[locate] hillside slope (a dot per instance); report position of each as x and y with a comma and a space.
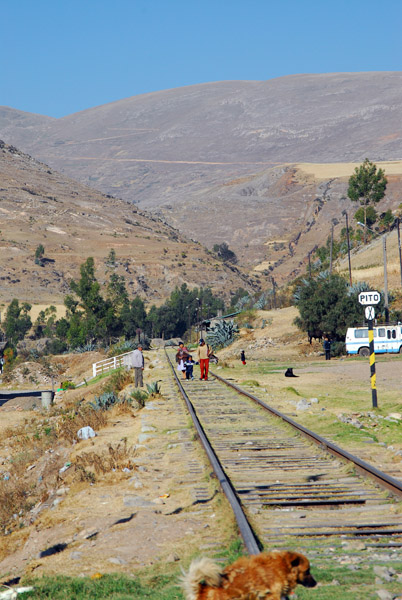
217, 160
72, 222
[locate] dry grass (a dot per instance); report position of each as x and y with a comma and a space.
36, 443
118, 380
82, 416
115, 458
329, 170
19, 487
368, 263
29, 441
13, 499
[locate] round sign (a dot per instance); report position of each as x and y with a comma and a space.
370, 313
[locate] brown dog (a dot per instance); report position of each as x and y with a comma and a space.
263, 577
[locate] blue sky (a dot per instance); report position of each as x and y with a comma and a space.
61, 56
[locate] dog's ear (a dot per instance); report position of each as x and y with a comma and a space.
295, 562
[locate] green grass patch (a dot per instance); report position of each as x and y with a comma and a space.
292, 390
339, 432
233, 552
335, 581
111, 587
148, 584
250, 382
341, 582
103, 375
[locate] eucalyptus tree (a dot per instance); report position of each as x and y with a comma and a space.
367, 185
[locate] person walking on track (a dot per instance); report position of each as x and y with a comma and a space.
137, 363
203, 353
181, 356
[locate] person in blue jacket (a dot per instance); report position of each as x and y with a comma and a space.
327, 348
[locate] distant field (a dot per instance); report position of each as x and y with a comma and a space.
368, 263
35, 310
329, 170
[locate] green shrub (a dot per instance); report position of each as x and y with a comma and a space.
56, 346
140, 396
67, 385
338, 349
118, 380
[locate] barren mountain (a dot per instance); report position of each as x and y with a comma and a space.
72, 222
218, 160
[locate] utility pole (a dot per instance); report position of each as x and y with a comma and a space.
331, 249
273, 291
348, 240
399, 246
384, 247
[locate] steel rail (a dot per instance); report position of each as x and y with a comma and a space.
250, 539
386, 481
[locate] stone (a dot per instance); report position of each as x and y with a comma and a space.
384, 595
151, 406
172, 558
136, 482
303, 404
144, 437
137, 501
115, 560
147, 428
383, 572
85, 433
76, 555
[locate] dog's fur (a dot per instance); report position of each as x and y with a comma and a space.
269, 576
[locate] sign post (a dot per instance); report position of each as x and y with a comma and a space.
367, 299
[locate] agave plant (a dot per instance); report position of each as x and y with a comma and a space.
105, 401
261, 302
86, 348
241, 303
140, 396
153, 388
222, 334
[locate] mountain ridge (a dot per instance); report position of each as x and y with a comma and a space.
177, 152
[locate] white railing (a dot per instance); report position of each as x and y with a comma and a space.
108, 364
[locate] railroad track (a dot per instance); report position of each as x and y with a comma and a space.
284, 481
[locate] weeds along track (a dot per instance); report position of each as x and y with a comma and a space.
284, 484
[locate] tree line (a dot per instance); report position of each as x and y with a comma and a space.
101, 317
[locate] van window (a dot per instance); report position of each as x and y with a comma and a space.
381, 332
393, 334
361, 333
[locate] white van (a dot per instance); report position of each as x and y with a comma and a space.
387, 338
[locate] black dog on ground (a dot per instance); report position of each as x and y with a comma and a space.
289, 373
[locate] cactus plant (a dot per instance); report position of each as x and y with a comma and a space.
222, 334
